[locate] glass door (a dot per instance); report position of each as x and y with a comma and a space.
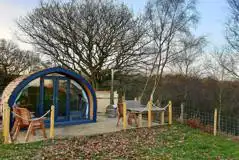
47, 95
62, 99
55, 91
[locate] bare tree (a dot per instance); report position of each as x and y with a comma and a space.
87, 36
187, 62
168, 20
14, 61
215, 66
229, 60
232, 25
230, 64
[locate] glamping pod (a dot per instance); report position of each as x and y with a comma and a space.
73, 97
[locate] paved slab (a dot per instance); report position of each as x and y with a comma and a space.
103, 125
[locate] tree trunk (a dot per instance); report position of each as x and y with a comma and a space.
220, 107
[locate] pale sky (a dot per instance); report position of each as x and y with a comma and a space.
213, 15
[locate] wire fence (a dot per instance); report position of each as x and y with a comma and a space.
228, 125
225, 125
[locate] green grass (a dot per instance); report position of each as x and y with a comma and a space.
20, 151
175, 142
184, 143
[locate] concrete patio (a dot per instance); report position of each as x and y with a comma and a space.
103, 125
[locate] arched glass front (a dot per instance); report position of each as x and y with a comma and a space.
79, 105
29, 97
69, 98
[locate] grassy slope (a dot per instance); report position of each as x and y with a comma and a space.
20, 151
186, 143
176, 142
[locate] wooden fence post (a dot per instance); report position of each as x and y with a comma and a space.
124, 115
215, 123
149, 114
140, 119
3, 120
52, 129
170, 113
6, 123
162, 118
181, 113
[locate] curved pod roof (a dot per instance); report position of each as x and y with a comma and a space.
12, 90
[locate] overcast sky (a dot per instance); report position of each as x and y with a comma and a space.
213, 15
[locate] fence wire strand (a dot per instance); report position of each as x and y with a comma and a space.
226, 125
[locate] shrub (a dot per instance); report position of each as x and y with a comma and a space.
194, 123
